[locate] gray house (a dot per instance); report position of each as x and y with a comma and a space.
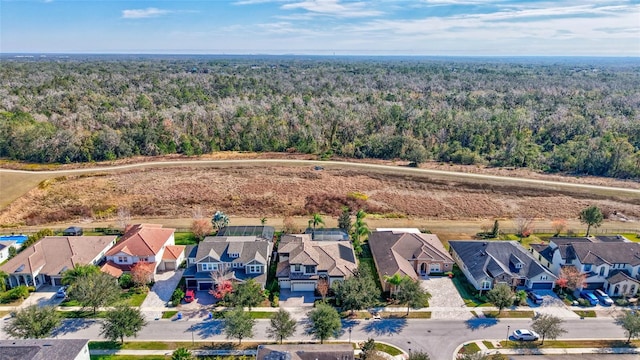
236, 258
487, 263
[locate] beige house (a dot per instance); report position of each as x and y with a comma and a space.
44, 262
148, 243
409, 253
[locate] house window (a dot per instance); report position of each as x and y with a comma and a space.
237, 265
602, 271
486, 284
543, 277
254, 269
310, 269
519, 266
208, 267
297, 268
234, 255
587, 267
122, 259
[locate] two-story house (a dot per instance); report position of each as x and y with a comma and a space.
613, 266
148, 243
236, 258
487, 263
303, 261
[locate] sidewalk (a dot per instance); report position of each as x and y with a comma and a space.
169, 352
547, 351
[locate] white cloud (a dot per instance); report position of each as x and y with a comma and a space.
333, 8
143, 13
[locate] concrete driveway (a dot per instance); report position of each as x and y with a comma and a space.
45, 296
295, 299
552, 305
160, 293
446, 298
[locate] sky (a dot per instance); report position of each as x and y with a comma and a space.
324, 27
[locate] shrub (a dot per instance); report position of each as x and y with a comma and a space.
622, 302
177, 296
275, 302
125, 281
583, 302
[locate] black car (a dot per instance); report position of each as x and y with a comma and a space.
535, 298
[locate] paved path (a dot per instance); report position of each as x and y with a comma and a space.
446, 298
160, 294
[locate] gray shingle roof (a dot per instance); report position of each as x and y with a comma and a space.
42, 349
607, 253
305, 352
337, 258
249, 248
492, 258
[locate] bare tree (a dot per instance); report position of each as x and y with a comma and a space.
558, 226
323, 288
524, 226
124, 217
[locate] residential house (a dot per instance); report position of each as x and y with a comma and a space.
144, 243
610, 263
44, 262
305, 352
303, 261
44, 349
4, 249
236, 258
487, 263
408, 252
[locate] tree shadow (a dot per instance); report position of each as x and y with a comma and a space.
206, 329
479, 323
386, 327
73, 325
348, 324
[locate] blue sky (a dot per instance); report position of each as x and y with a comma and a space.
345, 27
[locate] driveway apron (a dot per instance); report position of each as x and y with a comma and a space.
160, 293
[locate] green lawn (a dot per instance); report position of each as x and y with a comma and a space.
391, 350
169, 314
470, 348
185, 238
568, 344
132, 297
466, 290
82, 314
585, 313
505, 314
488, 344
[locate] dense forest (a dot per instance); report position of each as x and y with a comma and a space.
578, 116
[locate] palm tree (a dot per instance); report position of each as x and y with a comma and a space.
317, 220
360, 228
71, 275
592, 216
394, 281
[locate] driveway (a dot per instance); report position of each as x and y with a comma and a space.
552, 305
160, 294
294, 299
445, 299
45, 296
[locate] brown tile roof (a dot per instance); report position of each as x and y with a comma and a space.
53, 254
114, 269
142, 240
173, 252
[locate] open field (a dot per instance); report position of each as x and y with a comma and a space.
247, 190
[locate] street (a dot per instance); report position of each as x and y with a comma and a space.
439, 338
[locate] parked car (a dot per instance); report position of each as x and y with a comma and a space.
525, 335
535, 298
189, 296
603, 297
592, 299
62, 292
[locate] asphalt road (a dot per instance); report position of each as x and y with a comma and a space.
439, 338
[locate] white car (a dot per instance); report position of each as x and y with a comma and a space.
603, 297
525, 335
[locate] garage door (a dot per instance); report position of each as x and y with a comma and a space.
202, 286
285, 284
57, 281
303, 286
542, 286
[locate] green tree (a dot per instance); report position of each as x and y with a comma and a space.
324, 321
182, 354
247, 294
4, 277
79, 270
592, 216
368, 349
219, 220
548, 326
33, 322
122, 321
12, 252
281, 326
630, 322
418, 355
344, 221
316, 220
95, 290
360, 231
411, 293
238, 324
394, 281
496, 229
501, 296
357, 292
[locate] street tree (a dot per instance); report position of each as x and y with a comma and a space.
95, 290
219, 220
592, 216
501, 296
357, 292
630, 322
548, 326
71, 275
344, 221
282, 325
182, 354
33, 322
411, 293
238, 324
247, 294
368, 350
324, 322
122, 321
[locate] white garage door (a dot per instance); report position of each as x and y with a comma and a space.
303, 286
285, 284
